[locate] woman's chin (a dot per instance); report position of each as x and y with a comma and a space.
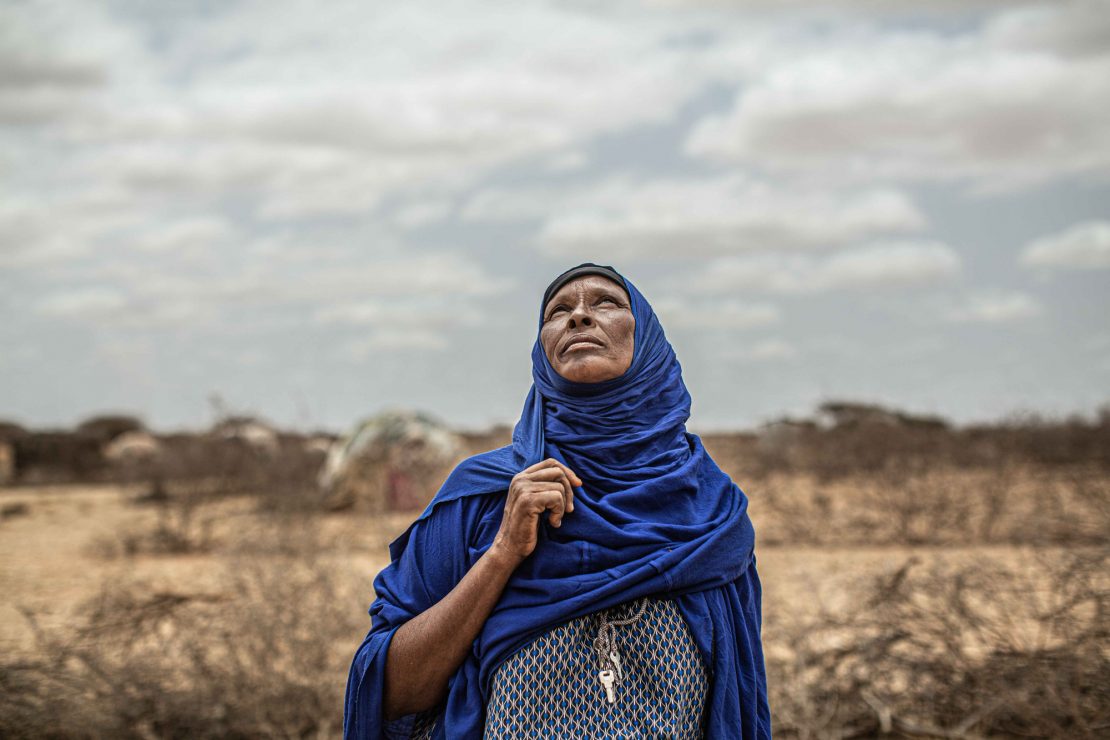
589, 370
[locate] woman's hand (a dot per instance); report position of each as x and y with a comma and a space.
428, 649
545, 486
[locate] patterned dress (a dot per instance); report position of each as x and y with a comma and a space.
552, 687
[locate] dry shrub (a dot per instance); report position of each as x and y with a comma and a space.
183, 525
264, 655
975, 650
849, 439
13, 510
1011, 504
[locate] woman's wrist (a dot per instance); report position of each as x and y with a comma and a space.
501, 558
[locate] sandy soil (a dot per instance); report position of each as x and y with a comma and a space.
56, 555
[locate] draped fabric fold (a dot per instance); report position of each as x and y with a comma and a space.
655, 517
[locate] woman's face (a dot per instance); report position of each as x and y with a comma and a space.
588, 330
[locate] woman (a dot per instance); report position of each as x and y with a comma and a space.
594, 578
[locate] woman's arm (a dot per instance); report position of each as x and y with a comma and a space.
427, 650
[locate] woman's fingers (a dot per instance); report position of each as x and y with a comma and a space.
559, 475
546, 486
552, 462
546, 499
542, 469
534, 499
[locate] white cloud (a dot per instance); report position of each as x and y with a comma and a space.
388, 340
994, 308
119, 307
879, 266
876, 104
568, 161
833, 8
48, 69
1076, 28
47, 232
421, 294
427, 312
218, 180
187, 235
727, 314
21, 220
773, 349
1097, 342
315, 114
94, 303
1083, 246
422, 212
439, 274
514, 204
692, 217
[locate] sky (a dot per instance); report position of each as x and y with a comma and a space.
316, 211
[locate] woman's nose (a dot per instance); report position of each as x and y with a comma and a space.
580, 316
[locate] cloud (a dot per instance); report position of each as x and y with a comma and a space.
421, 213
439, 274
116, 307
49, 232
514, 204
305, 128
427, 312
90, 303
192, 234
772, 349
22, 71
361, 349
426, 294
879, 266
1077, 28
994, 308
765, 350
1083, 246
727, 314
567, 161
696, 217
21, 220
54, 60
917, 105
831, 8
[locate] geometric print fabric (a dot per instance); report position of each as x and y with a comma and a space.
550, 688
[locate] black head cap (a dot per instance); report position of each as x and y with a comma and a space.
586, 268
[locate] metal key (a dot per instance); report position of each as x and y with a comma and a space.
606, 678
616, 658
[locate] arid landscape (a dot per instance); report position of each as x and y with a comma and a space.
269, 269
920, 579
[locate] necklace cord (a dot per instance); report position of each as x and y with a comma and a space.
606, 641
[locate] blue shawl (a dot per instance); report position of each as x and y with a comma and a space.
655, 517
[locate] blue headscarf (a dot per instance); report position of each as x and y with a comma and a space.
655, 516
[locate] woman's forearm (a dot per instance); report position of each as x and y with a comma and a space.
427, 650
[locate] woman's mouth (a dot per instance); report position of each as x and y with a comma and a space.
582, 342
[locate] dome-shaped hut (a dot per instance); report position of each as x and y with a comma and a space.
132, 447
394, 461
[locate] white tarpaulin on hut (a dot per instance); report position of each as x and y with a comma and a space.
394, 461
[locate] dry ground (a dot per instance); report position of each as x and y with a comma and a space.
59, 554
63, 547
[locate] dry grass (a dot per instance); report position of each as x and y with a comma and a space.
906, 600
1013, 504
258, 654
980, 649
